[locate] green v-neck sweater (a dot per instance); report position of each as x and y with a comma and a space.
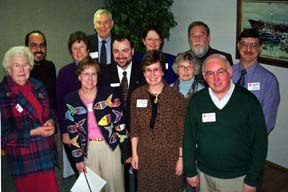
232, 145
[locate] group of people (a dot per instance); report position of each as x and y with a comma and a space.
142, 121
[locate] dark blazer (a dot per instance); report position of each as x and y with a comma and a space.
169, 75
110, 77
93, 45
210, 51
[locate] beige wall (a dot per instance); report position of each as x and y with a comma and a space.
56, 19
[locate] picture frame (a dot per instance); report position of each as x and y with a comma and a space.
269, 18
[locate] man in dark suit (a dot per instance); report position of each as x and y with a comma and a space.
100, 44
199, 40
125, 76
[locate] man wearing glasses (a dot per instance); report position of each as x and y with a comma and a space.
250, 74
43, 69
225, 139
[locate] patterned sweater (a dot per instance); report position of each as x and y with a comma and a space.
109, 117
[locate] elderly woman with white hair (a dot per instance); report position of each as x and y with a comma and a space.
186, 67
27, 125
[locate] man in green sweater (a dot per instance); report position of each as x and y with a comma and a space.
225, 138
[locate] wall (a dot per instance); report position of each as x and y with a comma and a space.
56, 19
220, 15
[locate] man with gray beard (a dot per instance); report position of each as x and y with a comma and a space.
199, 40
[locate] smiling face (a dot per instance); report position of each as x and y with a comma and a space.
199, 40
218, 76
88, 78
19, 69
154, 74
37, 45
249, 48
122, 53
152, 41
185, 70
103, 24
79, 50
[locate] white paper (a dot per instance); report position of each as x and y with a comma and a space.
96, 182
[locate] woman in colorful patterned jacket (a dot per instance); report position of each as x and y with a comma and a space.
27, 125
96, 127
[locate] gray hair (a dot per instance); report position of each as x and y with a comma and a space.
187, 56
16, 52
101, 11
218, 56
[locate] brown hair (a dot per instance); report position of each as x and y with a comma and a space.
151, 57
87, 61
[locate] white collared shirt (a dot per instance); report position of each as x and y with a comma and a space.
128, 70
220, 104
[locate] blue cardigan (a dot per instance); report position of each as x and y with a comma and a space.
109, 116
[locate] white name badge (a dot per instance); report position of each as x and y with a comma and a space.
142, 103
114, 84
254, 86
208, 117
19, 108
94, 55
166, 65
90, 107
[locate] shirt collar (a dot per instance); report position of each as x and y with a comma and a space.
128, 70
220, 104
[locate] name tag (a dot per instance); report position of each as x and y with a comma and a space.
208, 117
254, 86
94, 55
114, 84
90, 107
166, 65
142, 103
19, 108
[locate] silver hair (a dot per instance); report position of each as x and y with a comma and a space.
101, 11
213, 56
16, 52
187, 56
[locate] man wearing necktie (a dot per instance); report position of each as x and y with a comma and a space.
250, 74
100, 44
125, 76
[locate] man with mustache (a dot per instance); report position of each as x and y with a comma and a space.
125, 76
250, 74
199, 40
43, 69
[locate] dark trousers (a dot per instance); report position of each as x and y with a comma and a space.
130, 178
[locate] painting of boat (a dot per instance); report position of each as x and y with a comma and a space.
270, 19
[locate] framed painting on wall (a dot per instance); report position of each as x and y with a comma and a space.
270, 19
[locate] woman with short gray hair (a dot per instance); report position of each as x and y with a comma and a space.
186, 66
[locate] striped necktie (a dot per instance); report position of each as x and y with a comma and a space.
241, 81
124, 87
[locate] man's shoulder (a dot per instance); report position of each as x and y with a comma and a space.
213, 51
244, 96
216, 51
265, 72
48, 63
184, 52
93, 37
